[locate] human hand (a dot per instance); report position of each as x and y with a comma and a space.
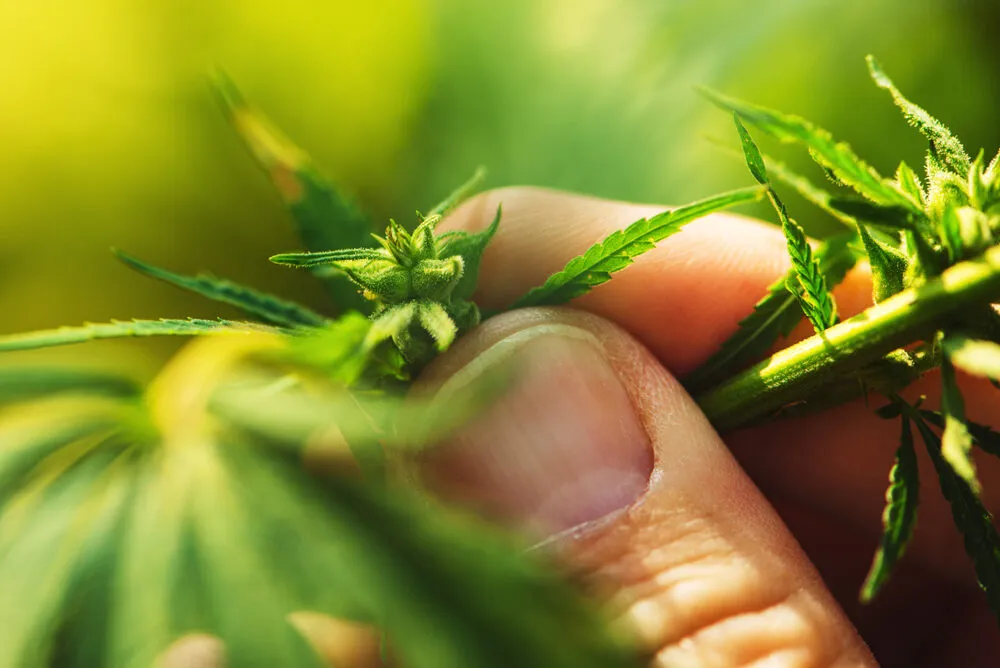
692, 541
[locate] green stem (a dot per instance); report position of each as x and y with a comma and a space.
798, 371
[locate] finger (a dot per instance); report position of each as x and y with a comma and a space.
682, 300
599, 447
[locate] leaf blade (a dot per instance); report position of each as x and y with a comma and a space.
325, 218
126, 328
900, 515
619, 249
267, 307
947, 147
837, 157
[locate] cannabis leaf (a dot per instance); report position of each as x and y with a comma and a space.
900, 515
122, 532
266, 307
972, 519
117, 329
847, 167
945, 145
956, 442
21, 384
620, 248
774, 316
808, 284
470, 247
975, 357
888, 264
326, 219
983, 436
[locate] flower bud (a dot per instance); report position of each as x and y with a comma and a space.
973, 229
435, 279
385, 280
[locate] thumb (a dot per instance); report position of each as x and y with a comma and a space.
597, 449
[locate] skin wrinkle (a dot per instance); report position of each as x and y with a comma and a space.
656, 539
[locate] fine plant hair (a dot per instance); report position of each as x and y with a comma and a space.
256, 476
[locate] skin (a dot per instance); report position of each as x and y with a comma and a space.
754, 498
741, 550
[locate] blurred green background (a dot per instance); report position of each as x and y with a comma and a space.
110, 135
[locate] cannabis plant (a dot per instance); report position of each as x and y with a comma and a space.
253, 479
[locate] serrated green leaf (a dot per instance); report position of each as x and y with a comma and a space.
325, 218
900, 515
773, 316
116, 547
972, 519
986, 438
25, 383
619, 249
809, 284
266, 307
956, 441
845, 166
755, 161
117, 329
909, 182
470, 247
975, 357
888, 266
946, 146
318, 259
436, 322
805, 188
951, 233
460, 194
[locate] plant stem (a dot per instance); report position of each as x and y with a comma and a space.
798, 371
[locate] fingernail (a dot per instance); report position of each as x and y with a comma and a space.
561, 448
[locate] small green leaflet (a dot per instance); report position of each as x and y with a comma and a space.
975, 357
436, 322
19, 384
945, 145
117, 329
460, 194
983, 436
808, 284
956, 442
971, 517
773, 316
470, 247
620, 248
900, 515
837, 157
268, 308
888, 265
909, 182
321, 258
325, 218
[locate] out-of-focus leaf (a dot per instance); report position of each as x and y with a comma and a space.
260, 305
116, 540
900, 515
24, 383
117, 329
326, 219
956, 441
974, 521
973, 356
847, 167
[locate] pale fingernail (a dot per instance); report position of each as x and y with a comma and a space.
563, 447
